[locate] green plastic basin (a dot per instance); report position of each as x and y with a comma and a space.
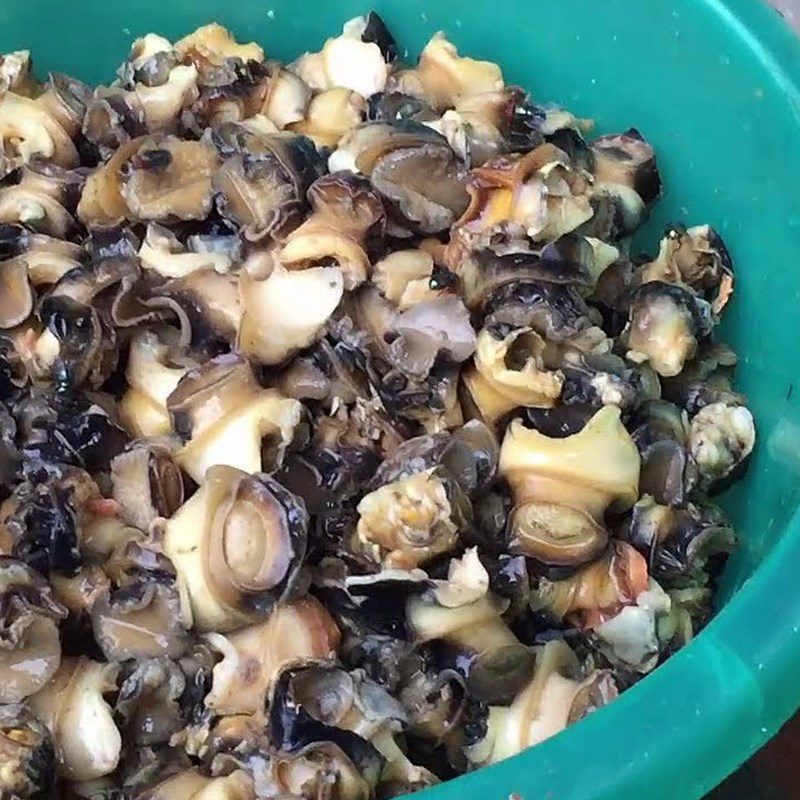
715, 85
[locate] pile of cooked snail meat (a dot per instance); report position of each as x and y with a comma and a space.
347, 444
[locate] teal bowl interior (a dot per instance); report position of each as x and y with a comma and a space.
715, 85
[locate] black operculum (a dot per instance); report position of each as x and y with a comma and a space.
291, 728
376, 32
475, 721
68, 429
13, 240
397, 107
523, 124
46, 534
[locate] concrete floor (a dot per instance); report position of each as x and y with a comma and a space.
790, 10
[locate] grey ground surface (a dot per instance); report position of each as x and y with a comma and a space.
790, 9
